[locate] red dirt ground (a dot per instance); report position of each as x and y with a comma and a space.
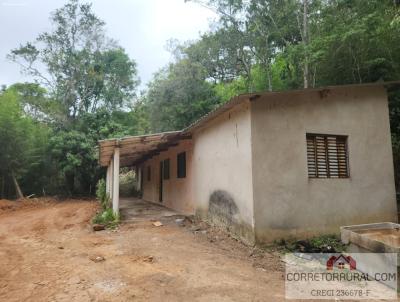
47, 251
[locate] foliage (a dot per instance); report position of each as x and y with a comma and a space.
178, 96
107, 217
102, 194
22, 151
85, 83
84, 70
127, 183
319, 244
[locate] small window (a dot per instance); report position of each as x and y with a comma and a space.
148, 173
327, 156
166, 168
181, 160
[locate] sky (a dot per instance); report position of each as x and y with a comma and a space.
142, 27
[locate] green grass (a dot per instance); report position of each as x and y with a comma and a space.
107, 217
316, 244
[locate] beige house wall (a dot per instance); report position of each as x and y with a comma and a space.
222, 170
177, 192
288, 203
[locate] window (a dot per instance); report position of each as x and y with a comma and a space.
148, 173
166, 168
181, 161
327, 156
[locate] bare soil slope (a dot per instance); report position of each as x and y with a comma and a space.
48, 252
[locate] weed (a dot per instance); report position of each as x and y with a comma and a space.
102, 195
107, 216
318, 244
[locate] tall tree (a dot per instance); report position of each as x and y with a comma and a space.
22, 148
178, 95
78, 64
87, 77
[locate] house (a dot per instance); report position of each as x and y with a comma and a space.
341, 262
272, 165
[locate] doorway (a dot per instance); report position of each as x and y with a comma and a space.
141, 180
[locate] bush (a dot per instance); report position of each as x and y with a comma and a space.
107, 217
127, 183
318, 244
102, 194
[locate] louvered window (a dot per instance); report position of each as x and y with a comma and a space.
327, 156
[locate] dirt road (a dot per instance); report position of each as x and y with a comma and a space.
49, 253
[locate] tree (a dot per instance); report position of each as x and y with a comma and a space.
36, 102
85, 77
178, 95
84, 70
22, 147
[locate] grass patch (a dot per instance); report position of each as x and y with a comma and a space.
107, 217
318, 244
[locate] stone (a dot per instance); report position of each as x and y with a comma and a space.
97, 258
98, 227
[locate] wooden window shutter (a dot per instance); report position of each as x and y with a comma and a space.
327, 156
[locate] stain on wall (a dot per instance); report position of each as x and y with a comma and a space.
223, 208
223, 211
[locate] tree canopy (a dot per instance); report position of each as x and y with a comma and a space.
82, 68
85, 85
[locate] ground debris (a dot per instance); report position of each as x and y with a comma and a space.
41, 283
98, 227
157, 223
200, 227
97, 258
180, 221
148, 259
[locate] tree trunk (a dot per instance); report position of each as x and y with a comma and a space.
17, 187
269, 76
305, 42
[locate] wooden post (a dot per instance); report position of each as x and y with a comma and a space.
115, 189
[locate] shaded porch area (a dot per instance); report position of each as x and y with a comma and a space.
136, 210
131, 151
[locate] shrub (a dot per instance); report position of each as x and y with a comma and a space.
107, 215
102, 194
127, 183
318, 244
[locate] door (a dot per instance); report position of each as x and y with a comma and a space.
160, 194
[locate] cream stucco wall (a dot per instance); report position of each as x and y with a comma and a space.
177, 192
288, 203
222, 171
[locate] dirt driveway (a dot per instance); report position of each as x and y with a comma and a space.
47, 253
